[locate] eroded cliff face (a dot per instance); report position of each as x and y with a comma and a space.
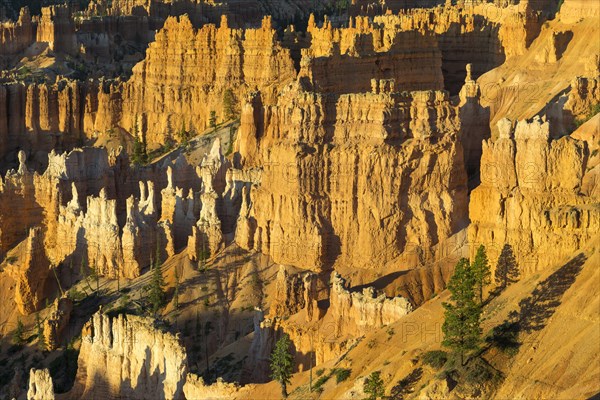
557, 63
355, 179
318, 333
16, 36
56, 322
40, 385
127, 356
530, 201
358, 312
186, 72
18, 209
411, 58
31, 273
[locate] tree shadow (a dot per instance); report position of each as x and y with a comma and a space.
536, 309
406, 385
507, 271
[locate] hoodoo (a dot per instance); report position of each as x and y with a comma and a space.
299, 199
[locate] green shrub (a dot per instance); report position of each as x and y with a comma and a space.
479, 372
373, 386
76, 295
595, 109
321, 381
320, 372
341, 374
436, 358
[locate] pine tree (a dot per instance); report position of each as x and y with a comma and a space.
83, 271
462, 330
183, 135
373, 386
212, 120
18, 333
157, 284
137, 156
481, 269
176, 293
228, 104
282, 363
202, 255
95, 275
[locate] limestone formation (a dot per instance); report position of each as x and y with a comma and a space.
195, 388
56, 322
40, 385
320, 180
360, 312
56, 28
139, 236
31, 273
530, 196
295, 293
134, 359
330, 172
16, 36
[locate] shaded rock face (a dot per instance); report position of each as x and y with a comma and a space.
31, 274
91, 208
40, 385
530, 200
186, 71
325, 199
56, 322
127, 357
410, 58
19, 210
16, 36
360, 312
295, 292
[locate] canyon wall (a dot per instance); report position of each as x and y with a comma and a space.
15, 37
127, 356
530, 202
366, 52
316, 177
358, 312
188, 69
186, 72
31, 273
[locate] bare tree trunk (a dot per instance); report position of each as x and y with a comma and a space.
284, 390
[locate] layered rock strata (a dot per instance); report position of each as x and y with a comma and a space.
40, 385
360, 312
530, 201
31, 274
56, 322
356, 180
133, 358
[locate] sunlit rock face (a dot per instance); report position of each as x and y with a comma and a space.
127, 356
